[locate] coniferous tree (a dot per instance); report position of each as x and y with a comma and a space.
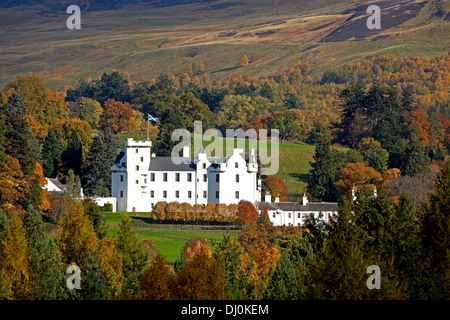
321, 185
45, 264
97, 178
51, 155
72, 157
283, 284
435, 237
170, 119
22, 144
415, 159
134, 257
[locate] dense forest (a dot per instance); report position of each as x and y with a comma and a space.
391, 112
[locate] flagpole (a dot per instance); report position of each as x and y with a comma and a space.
148, 123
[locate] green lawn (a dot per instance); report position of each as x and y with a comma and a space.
168, 241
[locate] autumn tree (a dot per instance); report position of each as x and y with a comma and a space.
118, 116
243, 61
76, 237
246, 213
14, 258
87, 110
156, 280
277, 188
43, 105
201, 276
356, 175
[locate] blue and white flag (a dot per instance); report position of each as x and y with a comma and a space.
150, 118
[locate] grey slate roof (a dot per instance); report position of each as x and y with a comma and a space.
57, 183
166, 164
298, 206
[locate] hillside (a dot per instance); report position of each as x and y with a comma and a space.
147, 38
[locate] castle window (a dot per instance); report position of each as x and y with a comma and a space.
121, 178
189, 194
274, 214
152, 194
165, 176
237, 178
204, 166
177, 177
217, 194
121, 194
137, 150
137, 168
145, 181
237, 194
137, 181
204, 194
152, 176
164, 194
217, 178
189, 177
142, 159
236, 165
177, 194
289, 215
205, 178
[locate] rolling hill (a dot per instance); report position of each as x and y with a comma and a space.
149, 37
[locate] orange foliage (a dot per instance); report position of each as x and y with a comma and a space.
356, 175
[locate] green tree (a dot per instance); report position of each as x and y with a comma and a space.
46, 274
72, 156
21, 143
323, 170
97, 176
96, 216
373, 154
435, 237
283, 282
134, 256
51, 155
415, 159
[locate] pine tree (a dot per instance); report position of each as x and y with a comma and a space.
134, 257
321, 185
22, 144
51, 155
45, 265
171, 119
435, 237
72, 157
416, 159
283, 283
97, 178
95, 284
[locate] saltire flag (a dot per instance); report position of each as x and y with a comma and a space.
150, 118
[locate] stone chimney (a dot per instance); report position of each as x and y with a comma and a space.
268, 198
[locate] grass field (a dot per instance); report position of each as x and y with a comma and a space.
167, 238
146, 40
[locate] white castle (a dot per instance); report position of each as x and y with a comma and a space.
140, 179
